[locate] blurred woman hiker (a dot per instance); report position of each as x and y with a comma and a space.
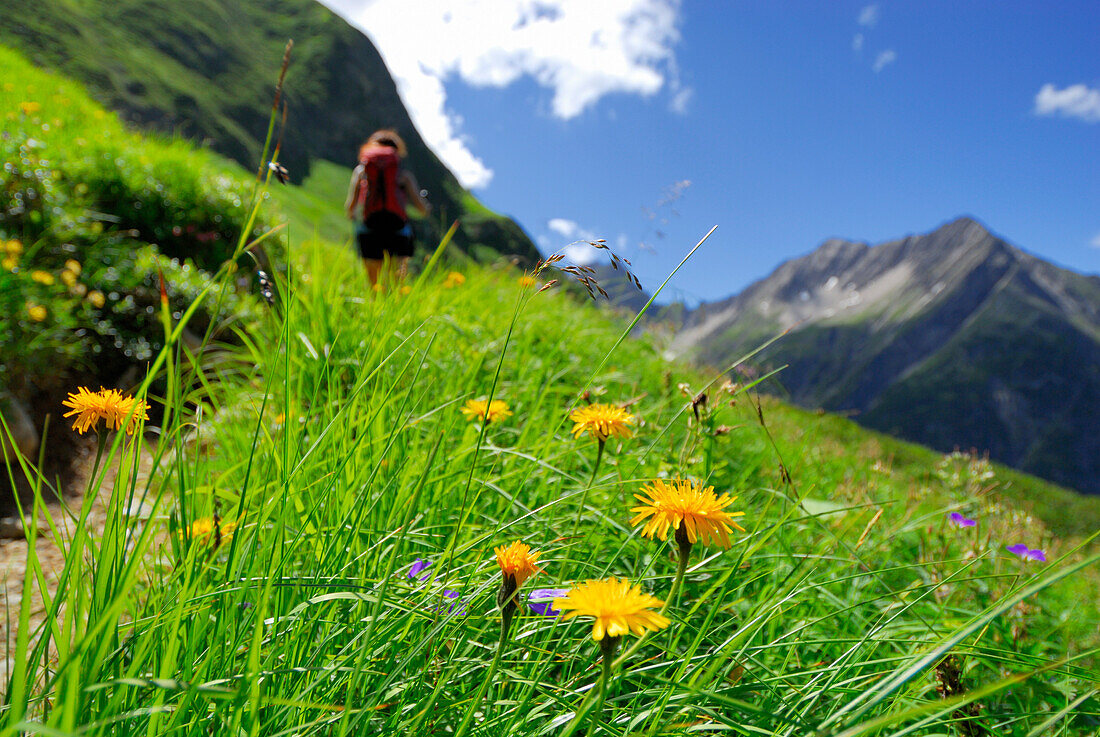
377, 196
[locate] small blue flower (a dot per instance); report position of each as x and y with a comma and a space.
959, 521
458, 607
541, 601
419, 571
419, 566
1027, 554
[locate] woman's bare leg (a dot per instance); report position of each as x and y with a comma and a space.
374, 268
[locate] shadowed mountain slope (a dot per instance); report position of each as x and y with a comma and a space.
206, 68
953, 339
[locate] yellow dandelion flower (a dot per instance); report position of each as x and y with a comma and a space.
42, 277
10, 262
29, 107
517, 561
602, 421
96, 298
486, 411
69, 278
454, 279
682, 502
13, 247
615, 605
108, 405
406, 289
36, 312
207, 527
74, 266
527, 281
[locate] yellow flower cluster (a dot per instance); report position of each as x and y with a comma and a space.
11, 251
682, 502
116, 410
616, 608
454, 279
214, 527
71, 273
486, 411
615, 605
517, 561
602, 421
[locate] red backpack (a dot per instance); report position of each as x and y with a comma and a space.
383, 201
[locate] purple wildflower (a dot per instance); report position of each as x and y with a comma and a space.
419, 571
541, 601
458, 607
419, 566
1027, 554
959, 521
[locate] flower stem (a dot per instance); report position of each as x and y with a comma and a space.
677, 582
608, 645
673, 593
683, 544
98, 457
605, 680
588, 488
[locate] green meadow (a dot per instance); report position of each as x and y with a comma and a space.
301, 542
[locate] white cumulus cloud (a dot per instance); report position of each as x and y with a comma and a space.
884, 59
1095, 242
868, 16
579, 50
857, 42
1076, 101
577, 250
680, 100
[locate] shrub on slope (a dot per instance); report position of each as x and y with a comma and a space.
89, 212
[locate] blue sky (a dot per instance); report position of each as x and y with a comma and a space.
792, 121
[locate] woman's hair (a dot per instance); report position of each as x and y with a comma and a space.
385, 137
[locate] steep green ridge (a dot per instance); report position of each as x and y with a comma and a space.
205, 69
954, 339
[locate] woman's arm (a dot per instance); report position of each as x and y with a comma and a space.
412, 192
353, 191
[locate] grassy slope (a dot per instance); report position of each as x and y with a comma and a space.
363, 463
335, 439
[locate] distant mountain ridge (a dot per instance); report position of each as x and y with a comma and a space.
953, 339
206, 69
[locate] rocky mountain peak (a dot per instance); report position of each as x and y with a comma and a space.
953, 338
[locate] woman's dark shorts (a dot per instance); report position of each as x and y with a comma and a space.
376, 243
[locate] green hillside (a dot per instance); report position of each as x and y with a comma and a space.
204, 69
305, 543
